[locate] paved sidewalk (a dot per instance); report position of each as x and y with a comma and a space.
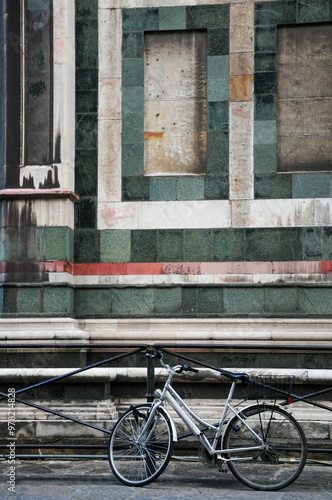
93, 480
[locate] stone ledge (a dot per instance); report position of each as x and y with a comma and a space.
32, 194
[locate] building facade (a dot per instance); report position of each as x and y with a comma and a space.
166, 173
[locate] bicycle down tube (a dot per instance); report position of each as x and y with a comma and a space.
184, 412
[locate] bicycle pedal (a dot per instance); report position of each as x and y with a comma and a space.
223, 468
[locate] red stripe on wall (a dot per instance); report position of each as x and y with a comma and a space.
180, 268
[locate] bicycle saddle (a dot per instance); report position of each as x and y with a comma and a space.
236, 377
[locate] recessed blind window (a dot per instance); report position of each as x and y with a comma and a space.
37, 111
304, 98
175, 78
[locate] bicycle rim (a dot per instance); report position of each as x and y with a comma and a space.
281, 458
136, 461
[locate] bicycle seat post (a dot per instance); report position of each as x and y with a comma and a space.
150, 382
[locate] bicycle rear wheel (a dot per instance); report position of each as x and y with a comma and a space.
282, 455
136, 460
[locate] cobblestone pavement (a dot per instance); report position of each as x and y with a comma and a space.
93, 480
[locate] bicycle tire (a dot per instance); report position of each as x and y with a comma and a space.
138, 463
282, 459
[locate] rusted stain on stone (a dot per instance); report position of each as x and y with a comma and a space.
152, 135
241, 88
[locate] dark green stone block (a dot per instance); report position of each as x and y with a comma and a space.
172, 18
55, 243
135, 188
115, 245
29, 301
210, 301
217, 152
87, 79
273, 186
189, 301
163, 188
132, 72
132, 159
86, 212
167, 301
315, 301
9, 296
311, 185
218, 116
132, 44
170, 245
58, 301
87, 246
279, 12
228, 245
216, 187
265, 132
132, 302
86, 167
265, 62
313, 11
313, 243
20, 243
132, 128
277, 244
87, 101
146, 19
265, 159
93, 302
133, 99
248, 301
207, 16
218, 42
86, 131
198, 245
265, 107
327, 243
217, 67
266, 39
87, 44
281, 300
144, 246
190, 188
86, 9
265, 83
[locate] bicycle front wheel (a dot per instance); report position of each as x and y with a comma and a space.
135, 458
281, 453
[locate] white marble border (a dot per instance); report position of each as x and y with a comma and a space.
216, 214
195, 279
242, 210
238, 330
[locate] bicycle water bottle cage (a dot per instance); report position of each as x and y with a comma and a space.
235, 377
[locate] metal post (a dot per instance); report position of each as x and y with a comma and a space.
150, 385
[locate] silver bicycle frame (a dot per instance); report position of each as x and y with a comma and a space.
188, 416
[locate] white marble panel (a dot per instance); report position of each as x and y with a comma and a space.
165, 215
282, 213
109, 160
110, 94
241, 27
110, 42
323, 212
241, 159
127, 4
64, 89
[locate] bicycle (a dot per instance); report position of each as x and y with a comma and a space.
262, 444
